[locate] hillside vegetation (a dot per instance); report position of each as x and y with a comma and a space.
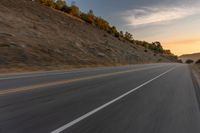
35, 35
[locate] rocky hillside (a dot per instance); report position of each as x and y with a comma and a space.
33, 36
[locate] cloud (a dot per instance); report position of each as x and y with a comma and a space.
152, 15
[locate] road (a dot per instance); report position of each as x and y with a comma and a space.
153, 98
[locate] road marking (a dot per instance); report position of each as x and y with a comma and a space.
49, 73
68, 125
33, 87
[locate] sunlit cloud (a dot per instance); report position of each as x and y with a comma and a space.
152, 15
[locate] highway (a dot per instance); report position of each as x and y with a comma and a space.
152, 98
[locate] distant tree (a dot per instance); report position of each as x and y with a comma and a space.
117, 34
121, 33
167, 52
158, 47
91, 17
51, 3
65, 8
60, 4
85, 17
74, 10
189, 61
198, 61
90, 12
128, 36
113, 30
102, 24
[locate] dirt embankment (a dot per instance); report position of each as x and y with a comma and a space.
35, 37
196, 70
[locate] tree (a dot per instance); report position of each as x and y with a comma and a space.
113, 30
90, 12
91, 17
74, 10
60, 4
51, 3
128, 36
65, 8
121, 33
167, 52
158, 47
189, 61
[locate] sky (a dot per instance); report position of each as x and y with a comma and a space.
175, 23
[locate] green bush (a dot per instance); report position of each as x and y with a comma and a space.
74, 10
60, 4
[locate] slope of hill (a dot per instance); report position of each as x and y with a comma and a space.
194, 57
33, 36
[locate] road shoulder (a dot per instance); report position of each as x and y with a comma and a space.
196, 80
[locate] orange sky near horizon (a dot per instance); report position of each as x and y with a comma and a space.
180, 47
174, 23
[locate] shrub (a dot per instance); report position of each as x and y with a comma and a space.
60, 4
74, 10
189, 61
102, 24
128, 36
51, 3
87, 18
121, 33
117, 34
65, 8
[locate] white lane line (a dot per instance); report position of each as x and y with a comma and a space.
68, 125
60, 82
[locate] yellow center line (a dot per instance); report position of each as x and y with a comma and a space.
56, 83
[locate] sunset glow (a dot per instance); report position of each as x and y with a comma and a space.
175, 23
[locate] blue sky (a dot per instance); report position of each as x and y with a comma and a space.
175, 23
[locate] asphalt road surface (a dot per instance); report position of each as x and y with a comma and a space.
154, 98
